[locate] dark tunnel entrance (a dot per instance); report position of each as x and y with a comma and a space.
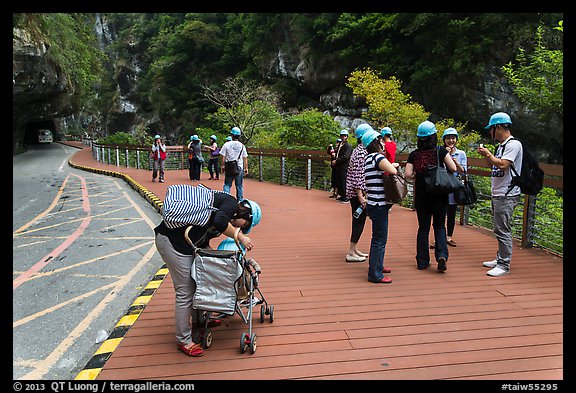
32, 128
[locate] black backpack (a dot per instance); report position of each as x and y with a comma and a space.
531, 177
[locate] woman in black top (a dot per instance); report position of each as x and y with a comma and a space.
430, 208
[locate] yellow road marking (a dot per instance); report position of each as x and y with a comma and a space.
54, 202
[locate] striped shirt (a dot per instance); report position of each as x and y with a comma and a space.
374, 182
187, 205
355, 176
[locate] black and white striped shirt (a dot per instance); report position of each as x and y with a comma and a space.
187, 205
374, 182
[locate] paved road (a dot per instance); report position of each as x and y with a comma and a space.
83, 249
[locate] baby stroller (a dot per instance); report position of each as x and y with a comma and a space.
226, 282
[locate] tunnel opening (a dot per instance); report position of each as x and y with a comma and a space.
32, 128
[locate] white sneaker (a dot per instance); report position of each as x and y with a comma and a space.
490, 263
497, 271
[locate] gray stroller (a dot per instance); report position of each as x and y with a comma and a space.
226, 282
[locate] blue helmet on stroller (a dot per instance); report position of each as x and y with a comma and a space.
229, 244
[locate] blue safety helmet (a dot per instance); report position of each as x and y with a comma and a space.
229, 244
194, 138
344, 132
368, 137
386, 131
235, 131
449, 131
255, 214
361, 129
426, 128
498, 118
228, 138
157, 136
214, 137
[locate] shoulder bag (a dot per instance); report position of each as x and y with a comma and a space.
231, 168
466, 195
395, 186
438, 180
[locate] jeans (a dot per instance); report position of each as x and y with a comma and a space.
502, 210
379, 217
158, 167
239, 181
437, 214
214, 168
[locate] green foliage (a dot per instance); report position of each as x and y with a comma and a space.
309, 129
387, 104
537, 77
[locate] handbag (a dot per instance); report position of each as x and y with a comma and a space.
231, 168
438, 180
395, 187
466, 195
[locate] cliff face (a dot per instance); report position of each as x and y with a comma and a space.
472, 100
41, 93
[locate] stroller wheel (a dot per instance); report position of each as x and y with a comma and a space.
271, 312
207, 339
262, 313
253, 343
244, 341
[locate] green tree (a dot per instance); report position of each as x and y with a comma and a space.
537, 77
309, 129
387, 104
245, 104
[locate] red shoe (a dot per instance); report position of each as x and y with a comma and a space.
385, 280
386, 270
194, 351
214, 323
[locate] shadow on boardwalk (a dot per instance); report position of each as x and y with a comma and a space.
331, 323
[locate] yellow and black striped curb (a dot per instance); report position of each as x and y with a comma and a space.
150, 196
95, 365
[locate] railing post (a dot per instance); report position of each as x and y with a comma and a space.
260, 165
528, 220
117, 156
137, 159
309, 173
283, 169
108, 155
127, 159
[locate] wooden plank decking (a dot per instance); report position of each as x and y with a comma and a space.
331, 323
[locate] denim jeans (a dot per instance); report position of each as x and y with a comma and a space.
239, 181
379, 217
427, 214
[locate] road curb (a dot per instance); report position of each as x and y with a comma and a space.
98, 360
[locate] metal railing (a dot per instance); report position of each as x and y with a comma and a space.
536, 223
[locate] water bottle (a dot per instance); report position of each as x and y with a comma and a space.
358, 212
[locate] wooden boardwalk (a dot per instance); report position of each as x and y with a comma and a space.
331, 323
